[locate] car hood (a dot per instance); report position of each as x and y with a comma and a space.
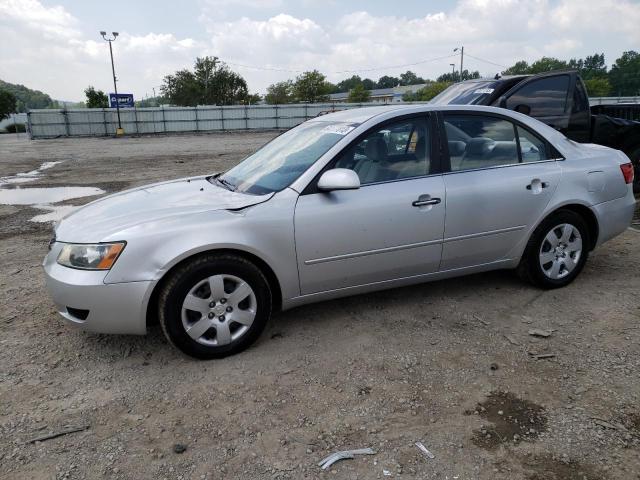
149, 204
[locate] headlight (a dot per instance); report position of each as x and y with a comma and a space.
99, 256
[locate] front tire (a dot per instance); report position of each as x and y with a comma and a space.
215, 305
557, 251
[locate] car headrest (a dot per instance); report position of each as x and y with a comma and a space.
376, 149
479, 146
456, 148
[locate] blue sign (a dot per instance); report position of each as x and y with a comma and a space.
123, 99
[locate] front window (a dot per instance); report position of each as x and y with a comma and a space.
466, 93
281, 161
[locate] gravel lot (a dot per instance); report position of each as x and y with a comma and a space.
449, 363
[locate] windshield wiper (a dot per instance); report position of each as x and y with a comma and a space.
226, 184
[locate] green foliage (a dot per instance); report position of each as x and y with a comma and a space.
27, 98
279, 93
210, 83
625, 74
431, 90
455, 77
359, 94
96, 98
597, 87
388, 82
311, 87
410, 78
16, 128
7, 104
519, 68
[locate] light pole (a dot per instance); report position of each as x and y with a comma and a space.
119, 130
461, 59
453, 71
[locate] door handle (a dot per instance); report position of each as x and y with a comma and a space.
422, 203
538, 182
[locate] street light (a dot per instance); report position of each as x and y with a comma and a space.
461, 59
119, 130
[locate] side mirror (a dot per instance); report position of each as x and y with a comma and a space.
339, 179
522, 108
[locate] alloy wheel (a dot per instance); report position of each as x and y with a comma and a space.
560, 251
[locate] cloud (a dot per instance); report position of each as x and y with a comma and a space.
55, 55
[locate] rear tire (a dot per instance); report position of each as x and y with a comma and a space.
557, 251
215, 305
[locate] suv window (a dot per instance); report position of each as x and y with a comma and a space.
476, 141
395, 151
545, 97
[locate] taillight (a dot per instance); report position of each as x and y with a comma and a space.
627, 172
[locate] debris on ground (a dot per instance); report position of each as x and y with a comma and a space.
538, 332
60, 433
424, 450
542, 356
179, 448
512, 340
343, 455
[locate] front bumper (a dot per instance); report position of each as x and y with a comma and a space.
85, 301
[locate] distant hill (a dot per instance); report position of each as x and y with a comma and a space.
27, 98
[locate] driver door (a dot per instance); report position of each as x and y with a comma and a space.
390, 228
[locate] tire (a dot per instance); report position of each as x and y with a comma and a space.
549, 267
215, 305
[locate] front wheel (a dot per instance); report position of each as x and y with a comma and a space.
557, 251
214, 306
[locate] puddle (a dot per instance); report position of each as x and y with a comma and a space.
25, 177
512, 420
45, 195
547, 467
56, 212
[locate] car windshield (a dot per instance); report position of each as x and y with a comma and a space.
281, 161
466, 93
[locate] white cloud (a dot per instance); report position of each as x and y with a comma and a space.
54, 54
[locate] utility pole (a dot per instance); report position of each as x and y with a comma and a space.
461, 60
119, 130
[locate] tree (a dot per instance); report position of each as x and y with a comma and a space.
388, 82
547, 64
253, 98
311, 87
431, 90
279, 93
28, 99
368, 84
598, 87
625, 74
210, 83
359, 94
519, 68
410, 78
7, 104
95, 98
455, 77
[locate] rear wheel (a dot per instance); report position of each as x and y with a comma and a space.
557, 251
214, 306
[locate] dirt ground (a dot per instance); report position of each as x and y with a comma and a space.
449, 364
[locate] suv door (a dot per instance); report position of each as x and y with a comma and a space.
499, 177
544, 97
389, 228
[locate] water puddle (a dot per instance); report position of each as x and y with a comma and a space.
56, 212
24, 177
45, 195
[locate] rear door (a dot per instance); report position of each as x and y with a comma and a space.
500, 178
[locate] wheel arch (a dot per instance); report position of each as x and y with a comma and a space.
272, 279
586, 213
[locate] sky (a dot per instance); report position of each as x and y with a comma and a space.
54, 45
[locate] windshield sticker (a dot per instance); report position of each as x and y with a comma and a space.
338, 129
484, 90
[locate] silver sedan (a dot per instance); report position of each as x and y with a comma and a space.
350, 202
